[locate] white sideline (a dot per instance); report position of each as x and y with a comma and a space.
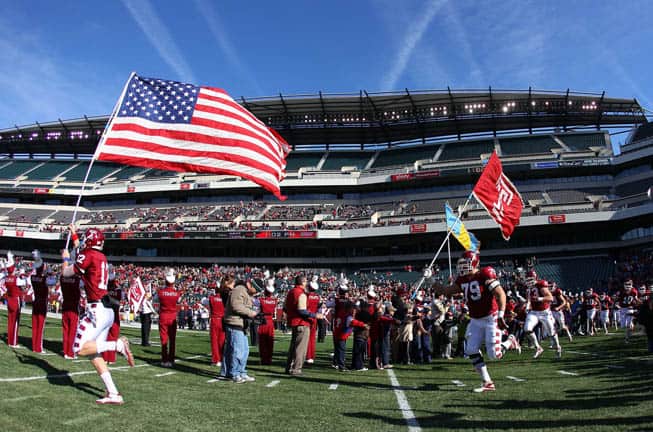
164, 374
406, 410
515, 378
22, 398
562, 372
66, 375
273, 383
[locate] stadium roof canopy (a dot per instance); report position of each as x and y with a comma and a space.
371, 119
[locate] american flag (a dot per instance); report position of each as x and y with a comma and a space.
169, 125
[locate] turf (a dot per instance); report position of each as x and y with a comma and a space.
612, 391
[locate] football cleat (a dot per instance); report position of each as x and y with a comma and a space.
239, 380
559, 354
486, 387
538, 352
110, 399
127, 352
248, 378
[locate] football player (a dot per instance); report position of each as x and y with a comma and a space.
312, 305
604, 315
628, 301
91, 339
592, 304
540, 298
486, 301
116, 293
559, 305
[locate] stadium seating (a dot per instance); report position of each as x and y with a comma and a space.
580, 141
527, 145
337, 160
576, 274
16, 169
127, 172
297, 160
404, 156
50, 170
466, 150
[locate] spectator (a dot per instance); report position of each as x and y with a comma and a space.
238, 309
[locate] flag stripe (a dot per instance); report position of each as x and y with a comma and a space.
203, 133
237, 111
230, 122
185, 144
173, 163
154, 147
220, 94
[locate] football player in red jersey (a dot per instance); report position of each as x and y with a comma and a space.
559, 305
486, 301
91, 339
591, 304
168, 299
40, 304
266, 331
540, 299
312, 305
628, 301
15, 286
216, 313
604, 315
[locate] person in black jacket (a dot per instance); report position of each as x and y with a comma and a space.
645, 319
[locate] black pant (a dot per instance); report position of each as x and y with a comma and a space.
321, 330
358, 354
146, 326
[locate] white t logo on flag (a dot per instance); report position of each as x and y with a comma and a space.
504, 198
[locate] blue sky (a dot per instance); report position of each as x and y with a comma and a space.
65, 59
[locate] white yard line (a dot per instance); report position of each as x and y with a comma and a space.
333, 386
404, 406
65, 375
562, 372
85, 418
164, 374
22, 398
515, 378
458, 383
273, 383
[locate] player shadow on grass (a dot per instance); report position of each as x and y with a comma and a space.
50, 346
455, 420
56, 376
180, 366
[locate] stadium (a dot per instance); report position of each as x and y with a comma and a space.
367, 180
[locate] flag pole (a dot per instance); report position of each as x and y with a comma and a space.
97, 151
446, 239
449, 253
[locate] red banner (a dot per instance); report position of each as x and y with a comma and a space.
557, 219
178, 234
136, 294
499, 196
20, 233
39, 190
131, 189
184, 186
1, 231
401, 177
302, 234
427, 174
418, 228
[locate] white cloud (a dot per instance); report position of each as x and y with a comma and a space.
409, 42
160, 37
222, 39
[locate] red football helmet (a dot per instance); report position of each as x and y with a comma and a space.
93, 238
531, 278
467, 263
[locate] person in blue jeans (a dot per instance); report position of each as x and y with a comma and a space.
238, 310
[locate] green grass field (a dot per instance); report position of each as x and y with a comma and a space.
608, 386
